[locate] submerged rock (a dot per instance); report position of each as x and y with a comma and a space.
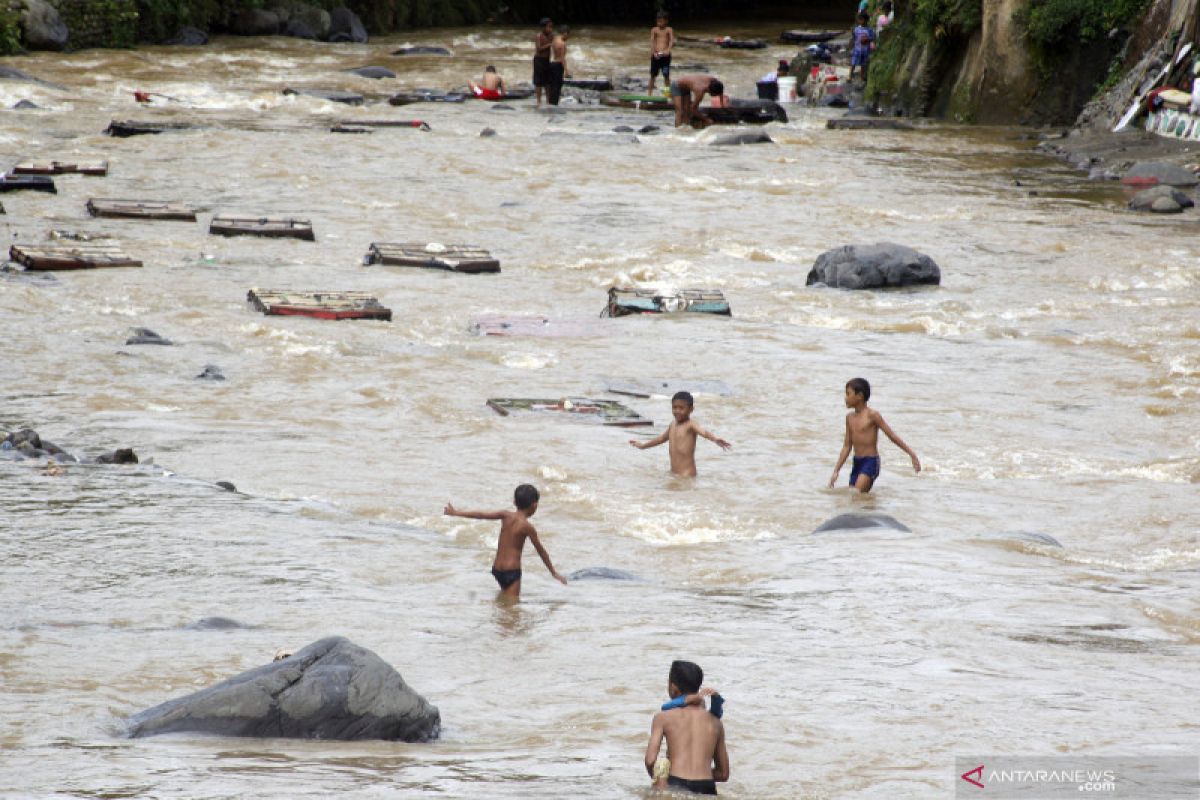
850, 522
211, 373
1161, 199
375, 73
421, 50
23, 105
602, 574
757, 136
332, 689
486, 132
226, 485
216, 624
124, 455
873, 266
146, 336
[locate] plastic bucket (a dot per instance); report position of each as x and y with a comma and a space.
787, 89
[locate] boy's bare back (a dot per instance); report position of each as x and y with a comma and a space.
695, 741
515, 528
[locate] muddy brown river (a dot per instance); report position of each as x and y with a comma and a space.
1050, 385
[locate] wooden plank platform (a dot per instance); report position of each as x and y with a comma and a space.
322, 305
665, 387
140, 209
61, 168
78, 255
34, 183
606, 412
279, 227
452, 257
623, 302
532, 325
129, 127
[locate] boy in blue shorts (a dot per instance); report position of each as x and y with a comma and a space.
863, 425
863, 40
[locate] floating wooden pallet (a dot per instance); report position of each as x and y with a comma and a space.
78, 255
285, 227
35, 183
61, 167
622, 302
607, 412
665, 387
140, 209
322, 305
128, 127
452, 257
518, 325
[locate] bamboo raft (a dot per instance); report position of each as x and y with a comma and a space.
71, 256
140, 209
35, 183
607, 412
278, 227
322, 305
61, 168
452, 257
623, 302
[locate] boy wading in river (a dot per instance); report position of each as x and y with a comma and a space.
515, 528
863, 425
682, 435
662, 39
696, 755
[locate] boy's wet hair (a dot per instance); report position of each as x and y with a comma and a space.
489, 68
685, 397
686, 676
860, 386
862, 17
661, 15
525, 496
716, 88
563, 30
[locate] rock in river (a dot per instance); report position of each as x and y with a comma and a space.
1161, 199
850, 522
873, 266
332, 689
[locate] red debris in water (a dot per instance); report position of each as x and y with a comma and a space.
141, 97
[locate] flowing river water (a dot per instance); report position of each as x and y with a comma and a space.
1050, 385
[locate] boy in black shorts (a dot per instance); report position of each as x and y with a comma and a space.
662, 39
515, 528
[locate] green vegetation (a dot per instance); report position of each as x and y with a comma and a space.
159, 20
1052, 25
936, 20
100, 23
10, 30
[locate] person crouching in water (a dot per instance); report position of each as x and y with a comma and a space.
490, 86
695, 736
686, 93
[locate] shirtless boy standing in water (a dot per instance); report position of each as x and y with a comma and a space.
662, 39
682, 435
515, 528
695, 738
863, 425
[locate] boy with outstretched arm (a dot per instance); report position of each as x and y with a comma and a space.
863, 425
682, 435
515, 528
696, 756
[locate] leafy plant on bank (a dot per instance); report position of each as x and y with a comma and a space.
10, 30
1061, 24
936, 20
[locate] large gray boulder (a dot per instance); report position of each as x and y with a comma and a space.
254, 22
1154, 172
851, 522
345, 26
1161, 199
44, 28
871, 266
332, 689
188, 37
317, 20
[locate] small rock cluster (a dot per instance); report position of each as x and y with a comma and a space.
26, 443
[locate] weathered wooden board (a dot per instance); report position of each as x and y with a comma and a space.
452, 257
322, 305
129, 127
279, 227
606, 412
35, 183
140, 209
61, 167
622, 302
666, 387
78, 255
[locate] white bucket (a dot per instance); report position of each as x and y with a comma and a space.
787, 89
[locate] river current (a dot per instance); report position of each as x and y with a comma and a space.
1050, 385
